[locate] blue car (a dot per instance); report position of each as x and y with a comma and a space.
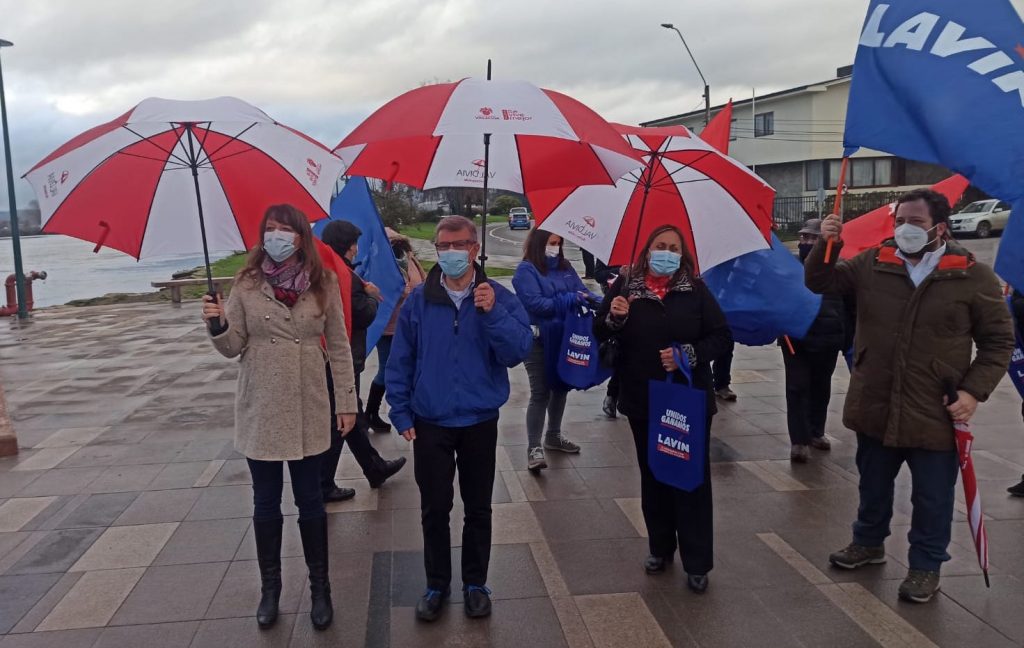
518, 218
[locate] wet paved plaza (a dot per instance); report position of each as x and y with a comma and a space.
125, 520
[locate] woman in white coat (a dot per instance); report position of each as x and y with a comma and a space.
282, 308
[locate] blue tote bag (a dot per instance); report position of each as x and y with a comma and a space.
579, 366
676, 440
1016, 369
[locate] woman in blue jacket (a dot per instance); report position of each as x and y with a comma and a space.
547, 286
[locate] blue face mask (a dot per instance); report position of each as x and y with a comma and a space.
454, 263
664, 262
279, 245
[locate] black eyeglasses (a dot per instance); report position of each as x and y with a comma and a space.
453, 245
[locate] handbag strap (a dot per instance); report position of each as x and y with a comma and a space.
683, 362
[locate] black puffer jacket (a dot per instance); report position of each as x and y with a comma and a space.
687, 315
831, 329
364, 311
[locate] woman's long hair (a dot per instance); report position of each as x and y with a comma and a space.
642, 264
306, 249
533, 250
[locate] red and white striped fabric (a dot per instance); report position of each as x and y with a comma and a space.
433, 137
722, 208
128, 184
975, 518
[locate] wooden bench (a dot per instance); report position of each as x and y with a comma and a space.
175, 285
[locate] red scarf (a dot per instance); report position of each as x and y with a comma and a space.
658, 285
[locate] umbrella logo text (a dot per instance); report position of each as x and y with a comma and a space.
514, 115
474, 174
313, 169
487, 112
585, 230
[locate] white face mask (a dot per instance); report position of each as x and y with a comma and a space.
911, 239
552, 251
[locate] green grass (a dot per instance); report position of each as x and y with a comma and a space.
491, 271
425, 229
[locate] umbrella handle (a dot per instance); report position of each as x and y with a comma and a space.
950, 388
216, 326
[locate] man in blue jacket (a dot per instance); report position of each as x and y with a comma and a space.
447, 377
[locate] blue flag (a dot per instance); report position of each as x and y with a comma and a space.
942, 81
375, 262
763, 295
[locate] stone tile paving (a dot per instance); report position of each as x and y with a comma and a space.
124, 521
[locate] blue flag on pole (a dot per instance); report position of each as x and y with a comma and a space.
375, 262
763, 295
942, 81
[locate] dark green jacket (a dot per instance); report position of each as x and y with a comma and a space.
911, 341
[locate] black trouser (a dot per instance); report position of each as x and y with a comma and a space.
613, 387
808, 390
437, 451
358, 442
268, 484
673, 515
721, 368
588, 263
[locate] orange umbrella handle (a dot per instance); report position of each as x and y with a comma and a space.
789, 344
839, 204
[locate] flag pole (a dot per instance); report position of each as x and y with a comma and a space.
838, 206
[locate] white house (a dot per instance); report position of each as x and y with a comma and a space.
794, 140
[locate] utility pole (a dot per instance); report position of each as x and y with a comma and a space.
19, 271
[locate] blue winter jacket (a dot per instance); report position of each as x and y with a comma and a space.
450, 367
546, 297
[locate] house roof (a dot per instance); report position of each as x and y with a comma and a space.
675, 119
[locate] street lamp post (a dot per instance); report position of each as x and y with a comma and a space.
19, 272
707, 88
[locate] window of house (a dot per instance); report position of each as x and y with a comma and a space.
764, 124
883, 172
814, 176
863, 173
834, 167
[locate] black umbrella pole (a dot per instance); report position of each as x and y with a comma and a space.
639, 226
218, 324
483, 217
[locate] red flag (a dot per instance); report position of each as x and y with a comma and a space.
876, 226
719, 130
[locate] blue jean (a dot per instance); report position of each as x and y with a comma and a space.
933, 476
383, 353
268, 484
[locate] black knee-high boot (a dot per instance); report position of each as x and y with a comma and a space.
268, 555
373, 401
314, 546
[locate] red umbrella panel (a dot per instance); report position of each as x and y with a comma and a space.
722, 208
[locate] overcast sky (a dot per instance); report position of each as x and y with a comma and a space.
324, 65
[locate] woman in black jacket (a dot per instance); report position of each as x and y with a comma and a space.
657, 302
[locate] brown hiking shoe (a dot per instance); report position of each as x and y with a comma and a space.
855, 555
919, 586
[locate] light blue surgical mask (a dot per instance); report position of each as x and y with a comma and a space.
279, 245
454, 263
664, 262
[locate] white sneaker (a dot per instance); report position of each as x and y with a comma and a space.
536, 459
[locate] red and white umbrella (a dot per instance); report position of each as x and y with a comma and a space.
490, 134
723, 209
434, 137
975, 518
181, 176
